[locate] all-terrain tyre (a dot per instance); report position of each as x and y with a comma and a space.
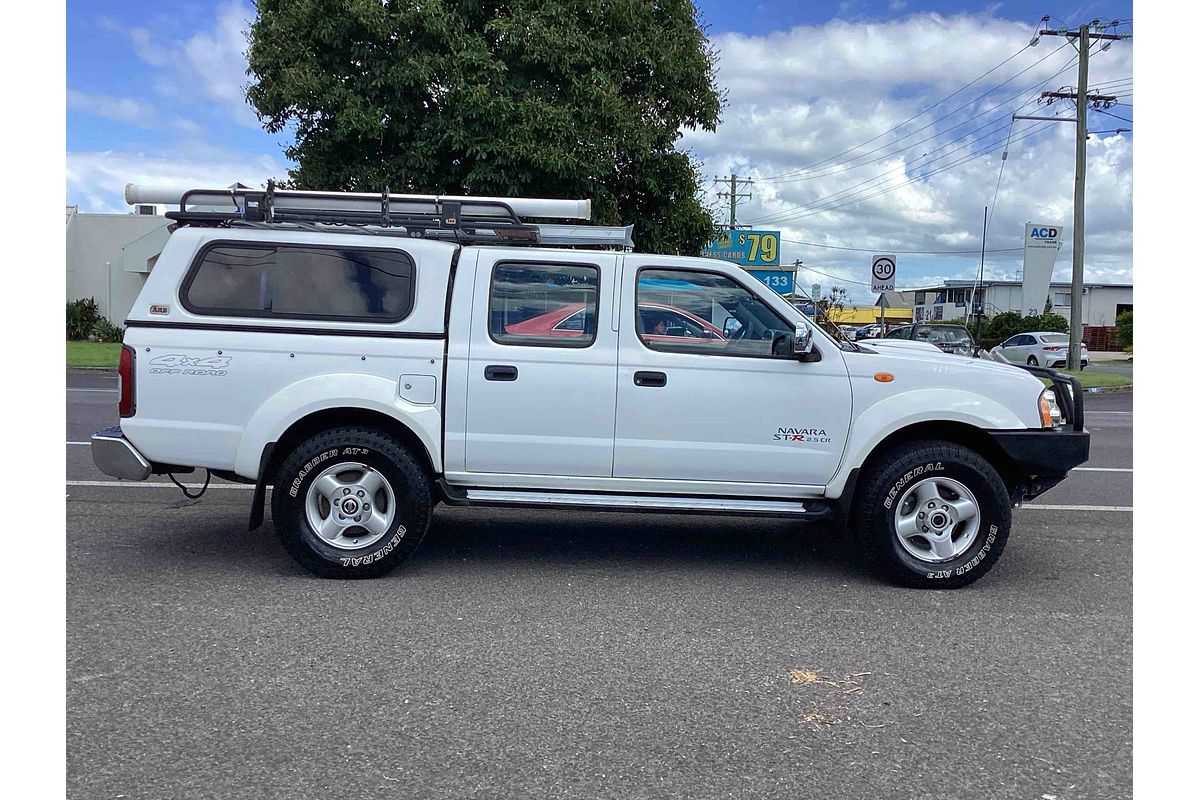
351, 502
932, 515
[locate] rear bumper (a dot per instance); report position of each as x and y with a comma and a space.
115, 456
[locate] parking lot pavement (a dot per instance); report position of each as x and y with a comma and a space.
553, 654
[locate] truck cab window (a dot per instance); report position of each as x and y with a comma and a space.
707, 313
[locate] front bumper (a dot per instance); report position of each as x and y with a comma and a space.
1043, 457
115, 456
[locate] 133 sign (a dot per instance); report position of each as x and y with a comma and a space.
748, 248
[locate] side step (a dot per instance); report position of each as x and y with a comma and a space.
672, 504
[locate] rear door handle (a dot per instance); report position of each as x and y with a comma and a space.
649, 379
500, 372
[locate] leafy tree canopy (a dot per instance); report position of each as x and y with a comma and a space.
551, 98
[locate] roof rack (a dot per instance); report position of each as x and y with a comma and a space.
462, 219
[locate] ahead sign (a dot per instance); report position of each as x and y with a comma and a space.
883, 274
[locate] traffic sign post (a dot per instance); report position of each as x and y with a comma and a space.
883, 274
883, 279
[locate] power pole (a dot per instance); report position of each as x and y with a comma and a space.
733, 195
1083, 38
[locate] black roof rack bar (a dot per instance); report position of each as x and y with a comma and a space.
460, 219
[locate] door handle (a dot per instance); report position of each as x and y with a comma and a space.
649, 379
500, 372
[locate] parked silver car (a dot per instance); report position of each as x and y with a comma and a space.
1040, 349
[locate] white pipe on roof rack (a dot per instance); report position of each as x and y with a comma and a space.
546, 208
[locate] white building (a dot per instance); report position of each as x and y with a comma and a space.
953, 300
110, 255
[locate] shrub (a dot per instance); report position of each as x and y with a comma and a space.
1003, 325
81, 318
105, 331
1050, 322
1009, 323
1125, 330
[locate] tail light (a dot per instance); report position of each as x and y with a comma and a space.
1055, 347
125, 382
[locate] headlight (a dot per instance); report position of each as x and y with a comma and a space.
1048, 406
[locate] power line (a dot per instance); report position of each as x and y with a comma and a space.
901, 252
784, 214
847, 201
886, 156
923, 111
1114, 116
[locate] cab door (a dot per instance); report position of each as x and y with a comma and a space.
730, 404
541, 372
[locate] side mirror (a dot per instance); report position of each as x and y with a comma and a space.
802, 344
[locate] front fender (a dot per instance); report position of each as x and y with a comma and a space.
322, 392
894, 412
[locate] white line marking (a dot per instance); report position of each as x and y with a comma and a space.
78, 442
160, 485
1102, 469
1089, 413
1049, 507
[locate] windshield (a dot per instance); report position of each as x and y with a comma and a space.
944, 334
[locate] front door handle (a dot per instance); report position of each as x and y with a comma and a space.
649, 379
500, 372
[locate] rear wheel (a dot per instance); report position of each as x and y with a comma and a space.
351, 503
1032, 361
933, 515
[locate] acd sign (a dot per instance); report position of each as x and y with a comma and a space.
1043, 233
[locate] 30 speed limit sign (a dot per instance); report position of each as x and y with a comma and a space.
883, 274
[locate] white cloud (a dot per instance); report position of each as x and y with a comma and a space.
96, 180
802, 97
122, 109
212, 62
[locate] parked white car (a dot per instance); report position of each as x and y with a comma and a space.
1039, 349
367, 356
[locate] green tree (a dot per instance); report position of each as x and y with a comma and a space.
553, 98
1125, 330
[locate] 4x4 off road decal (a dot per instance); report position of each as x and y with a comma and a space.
175, 364
908, 476
378, 554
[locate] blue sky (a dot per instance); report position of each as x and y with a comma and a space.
154, 95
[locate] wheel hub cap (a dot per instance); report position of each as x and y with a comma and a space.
937, 519
350, 506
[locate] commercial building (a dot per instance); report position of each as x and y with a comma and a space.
958, 299
953, 300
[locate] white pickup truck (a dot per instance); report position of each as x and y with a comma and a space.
367, 356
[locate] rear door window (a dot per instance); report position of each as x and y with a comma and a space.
548, 305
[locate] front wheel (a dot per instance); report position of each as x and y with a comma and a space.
351, 503
933, 515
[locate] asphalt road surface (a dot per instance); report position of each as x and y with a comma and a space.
523, 654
